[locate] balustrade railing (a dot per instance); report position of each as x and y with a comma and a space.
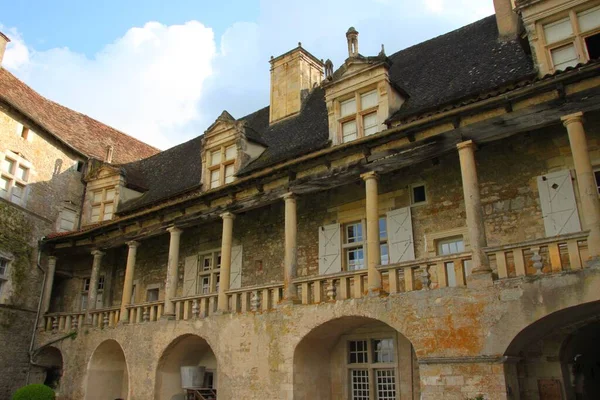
531, 258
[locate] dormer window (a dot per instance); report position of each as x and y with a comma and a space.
103, 204
358, 116
222, 165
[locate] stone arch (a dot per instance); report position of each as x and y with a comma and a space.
47, 367
107, 373
323, 366
188, 350
541, 358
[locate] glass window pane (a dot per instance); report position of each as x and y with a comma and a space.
564, 57
451, 274
3, 266
17, 192
359, 384
386, 384
95, 217
589, 19
108, 211
356, 259
230, 153
8, 165
97, 196
207, 263
418, 194
558, 30
215, 178
383, 350
382, 228
4, 183
349, 131
370, 125
229, 173
215, 158
110, 195
348, 107
368, 100
354, 233
385, 254
205, 285
451, 246
22, 173
358, 352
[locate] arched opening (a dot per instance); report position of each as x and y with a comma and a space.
107, 375
47, 367
355, 358
557, 357
187, 365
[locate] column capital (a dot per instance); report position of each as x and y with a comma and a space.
575, 117
228, 215
133, 244
98, 253
369, 175
52, 259
467, 144
289, 196
173, 230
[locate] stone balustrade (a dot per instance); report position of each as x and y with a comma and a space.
531, 258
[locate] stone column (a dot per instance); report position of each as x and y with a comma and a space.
290, 294
586, 182
373, 249
475, 222
128, 284
51, 269
226, 242
93, 289
172, 272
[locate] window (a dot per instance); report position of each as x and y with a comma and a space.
354, 246
67, 220
383, 241
221, 165
25, 133
372, 369
86, 289
14, 176
208, 273
103, 204
418, 195
3, 274
597, 176
358, 116
573, 39
453, 245
152, 294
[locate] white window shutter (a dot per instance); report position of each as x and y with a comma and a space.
400, 235
190, 274
330, 249
235, 280
557, 199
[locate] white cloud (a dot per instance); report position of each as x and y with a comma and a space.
16, 53
147, 83
460, 8
437, 6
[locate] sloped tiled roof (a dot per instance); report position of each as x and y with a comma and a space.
84, 134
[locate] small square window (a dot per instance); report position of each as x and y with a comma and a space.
207, 263
368, 100
358, 352
25, 133
451, 246
383, 350
18, 193
22, 173
108, 211
95, 214
348, 107
564, 57
230, 153
418, 194
205, 285
356, 259
97, 196
229, 173
354, 233
349, 131
370, 125
152, 295
215, 178
557, 31
215, 158
4, 183
110, 195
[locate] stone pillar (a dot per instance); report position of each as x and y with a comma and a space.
226, 242
373, 249
93, 289
51, 269
128, 284
475, 223
586, 181
290, 294
172, 272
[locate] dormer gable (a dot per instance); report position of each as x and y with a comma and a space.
359, 95
228, 145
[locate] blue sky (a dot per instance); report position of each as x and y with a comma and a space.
163, 71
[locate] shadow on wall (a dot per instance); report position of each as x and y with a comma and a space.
107, 374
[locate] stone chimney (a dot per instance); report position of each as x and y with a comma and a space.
507, 19
352, 38
292, 74
3, 42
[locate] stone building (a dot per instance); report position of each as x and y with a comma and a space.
44, 152
423, 225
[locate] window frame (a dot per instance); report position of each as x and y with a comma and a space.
213, 273
577, 37
102, 204
85, 290
222, 165
412, 187
450, 268
5, 276
358, 115
12, 177
351, 246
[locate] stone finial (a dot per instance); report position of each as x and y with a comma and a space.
382, 52
328, 69
352, 38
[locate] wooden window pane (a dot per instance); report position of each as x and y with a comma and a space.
215, 178
565, 56
229, 173
110, 195
558, 30
370, 124
22, 173
348, 107
349, 131
215, 158
589, 19
8, 165
368, 100
230, 153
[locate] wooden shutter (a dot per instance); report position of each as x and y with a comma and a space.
235, 280
400, 235
557, 200
330, 257
190, 274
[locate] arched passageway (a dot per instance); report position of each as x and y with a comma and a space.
355, 358
107, 375
48, 367
557, 357
188, 363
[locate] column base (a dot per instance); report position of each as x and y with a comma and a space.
480, 279
376, 292
168, 317
221, 312
290, 302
